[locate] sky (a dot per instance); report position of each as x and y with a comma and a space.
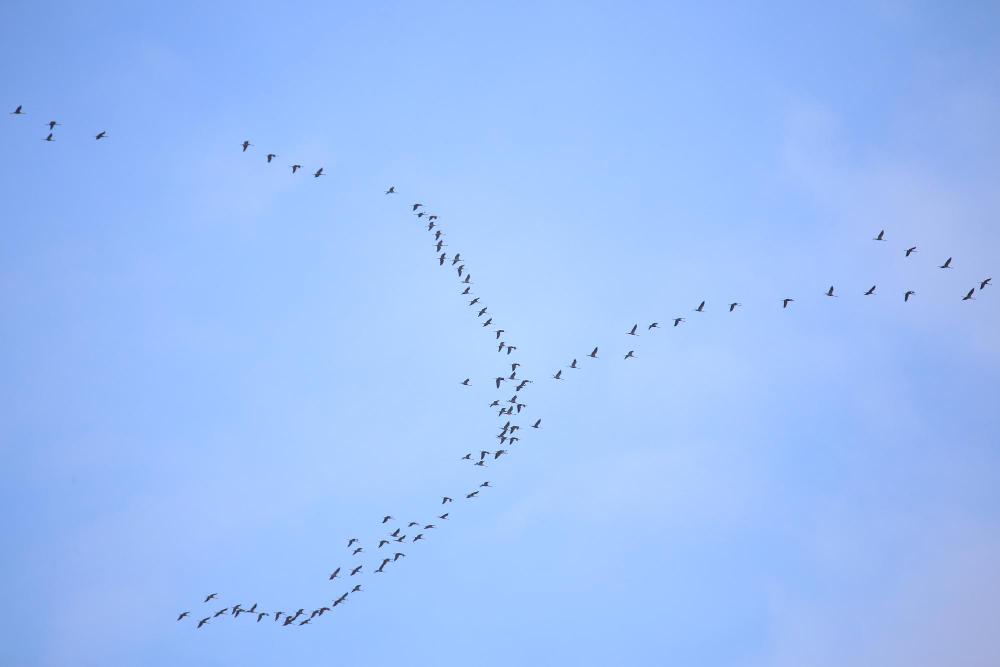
214, 373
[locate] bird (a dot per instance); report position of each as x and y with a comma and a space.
465, 382
558, 375
441, 259
357, 589
421, 214
305, 621
678, 320
387, 517
416, 206
221, 612
391, 190
969, 295
245, 144
593, 355
183, 615
909, 250
468, 457
573, 365
654, 325
474, 301
271, 156
733, 305
632, 332
630, 354
499, 331
278, 614
481, 464
253, 608
513, 366
785, 302
319, 172
871, 291
444, 516
946, 265
432, 217
483, 454
482, 312
830, 291
486, 484
879, 237
418, 537
356, 570
488, 322
906, 297
204, 620
295, 166
335, 573
382, 543
262, 615
394, 533
48, 138
498, 452
472, 495
353, 540
466, 291
213, 594
511, 348
52, 124
983, 284
700, 307
288, 621
536, 424
455, 260
412, 523
445, 499
18, 111
358, 551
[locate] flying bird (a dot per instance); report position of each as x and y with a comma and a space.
48, 138
262, 615
946, 265
446, 499
969, 295
906, 297
488, 322
17, 111
295, 166
416, 206
444, 516
593, 354
418, 537
499, 331
558, 375
983, 284
183, 615
245, 144
632, 332
879, 237
733, 305
630, 354
465, 382
271, 156
830, 291
387, 518
700, 308
678, 320
334, 575
354, 539
391, 190
204, 620
52, 124
213, 594
356, 570
785, 302
358, 551
573, 365
319, 172
654, 325
909, 250
472, 495
382, 543
536, 424
871, 291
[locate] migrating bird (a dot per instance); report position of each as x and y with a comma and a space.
18, 111
946, 265
906, 297
52, 124
387, 518
295, 166
444, 516
983, 284
879, 237
482, 311
558, 375
632, 332
654, 325
418, 537
353, 540
498, 332
356, 570
467, 290
48, 138
496, 455
204, 620
499, 380
969, 295
472, 495
593, 354
396, 556
441, 259
319, 172
465, 382
391, 190
334, 575
382, 543
357, 589
445, 499
830, 292
630, 354
270, 156
245, 144
511, 348
183, 615
700, 307
456, 259
439, 245
213, 594
733, 305
573, 365
416, 206
474, 301
678, 320
262, 615
221, 612
536, 424
909, 250
488, 322
785, 302
357, 551
486, 484
871, 291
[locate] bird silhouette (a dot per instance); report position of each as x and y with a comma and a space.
733, 305
871, 291
391, 190
319, 172
946, 265
785, 302
17, 111
969, 295
593, 354
830, 291
879, 237
906, 297
909, 250
271, 156
245, 145
700, 308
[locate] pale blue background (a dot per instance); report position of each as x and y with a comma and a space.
215, 373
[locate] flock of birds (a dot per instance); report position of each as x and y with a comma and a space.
509, 433
52, 125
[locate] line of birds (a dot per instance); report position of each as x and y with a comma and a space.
51, 125
271, 156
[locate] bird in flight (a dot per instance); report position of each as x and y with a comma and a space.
946, 265
700, 307
245, 144
418, 537
295, 166
356, 570
983, 284
444, 516
879, 237
472, 495
319, 172
654, 325
830, 291
262, 615
210, 597
558, 375
203, 621
573, 365
445, 499
353, 540
906, 297
270, 156
416, 206
632, 332
387, 517
17, 111
48, 138
357, 551
382, 543
678, 320
871, 291
909, 250
334, 575
465, 382
785, 302
733, 306
593, 354
969, 295
391, 190
52, 124
183, 615
630, 354
100, 135
536, 424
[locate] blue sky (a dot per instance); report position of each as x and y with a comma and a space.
215, 373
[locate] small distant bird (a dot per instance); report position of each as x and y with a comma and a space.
262, 615
906, 297
439, 245
52, 124
499, 380
412, 523
483, 454
472, 495
573, 365
204, 620
482, 311
466, 291
288, 621
270, 156
630, 354
245, 144
632, 332
421, 214
387, 517
356, 570
353, 540
536, 424
416, 206
468, 457
654, 325
871, 291
418, 537
733, 305
465, 382
394, 533
830, 291
358, 551
183, 615
983, 284
513, 366
456, 259
485, 484
432, 217
558, 375
445, 499
593, 354
383, 543
18, 111
396, 556
441, 259
319, 172
909, 250
497, 454
879, 237
334, 575
946, 265
678, 320
357, 589
278, 614
221, 612
969, 295
295, 166
488, 322
391, 190
785, 302
481, 464
48, 138
511, 348
700, 308
305, 622
474, 301
444, 516
213, 594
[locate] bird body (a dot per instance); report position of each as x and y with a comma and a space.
785, 302
906, 297
319, 172
871, 291
946, 265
